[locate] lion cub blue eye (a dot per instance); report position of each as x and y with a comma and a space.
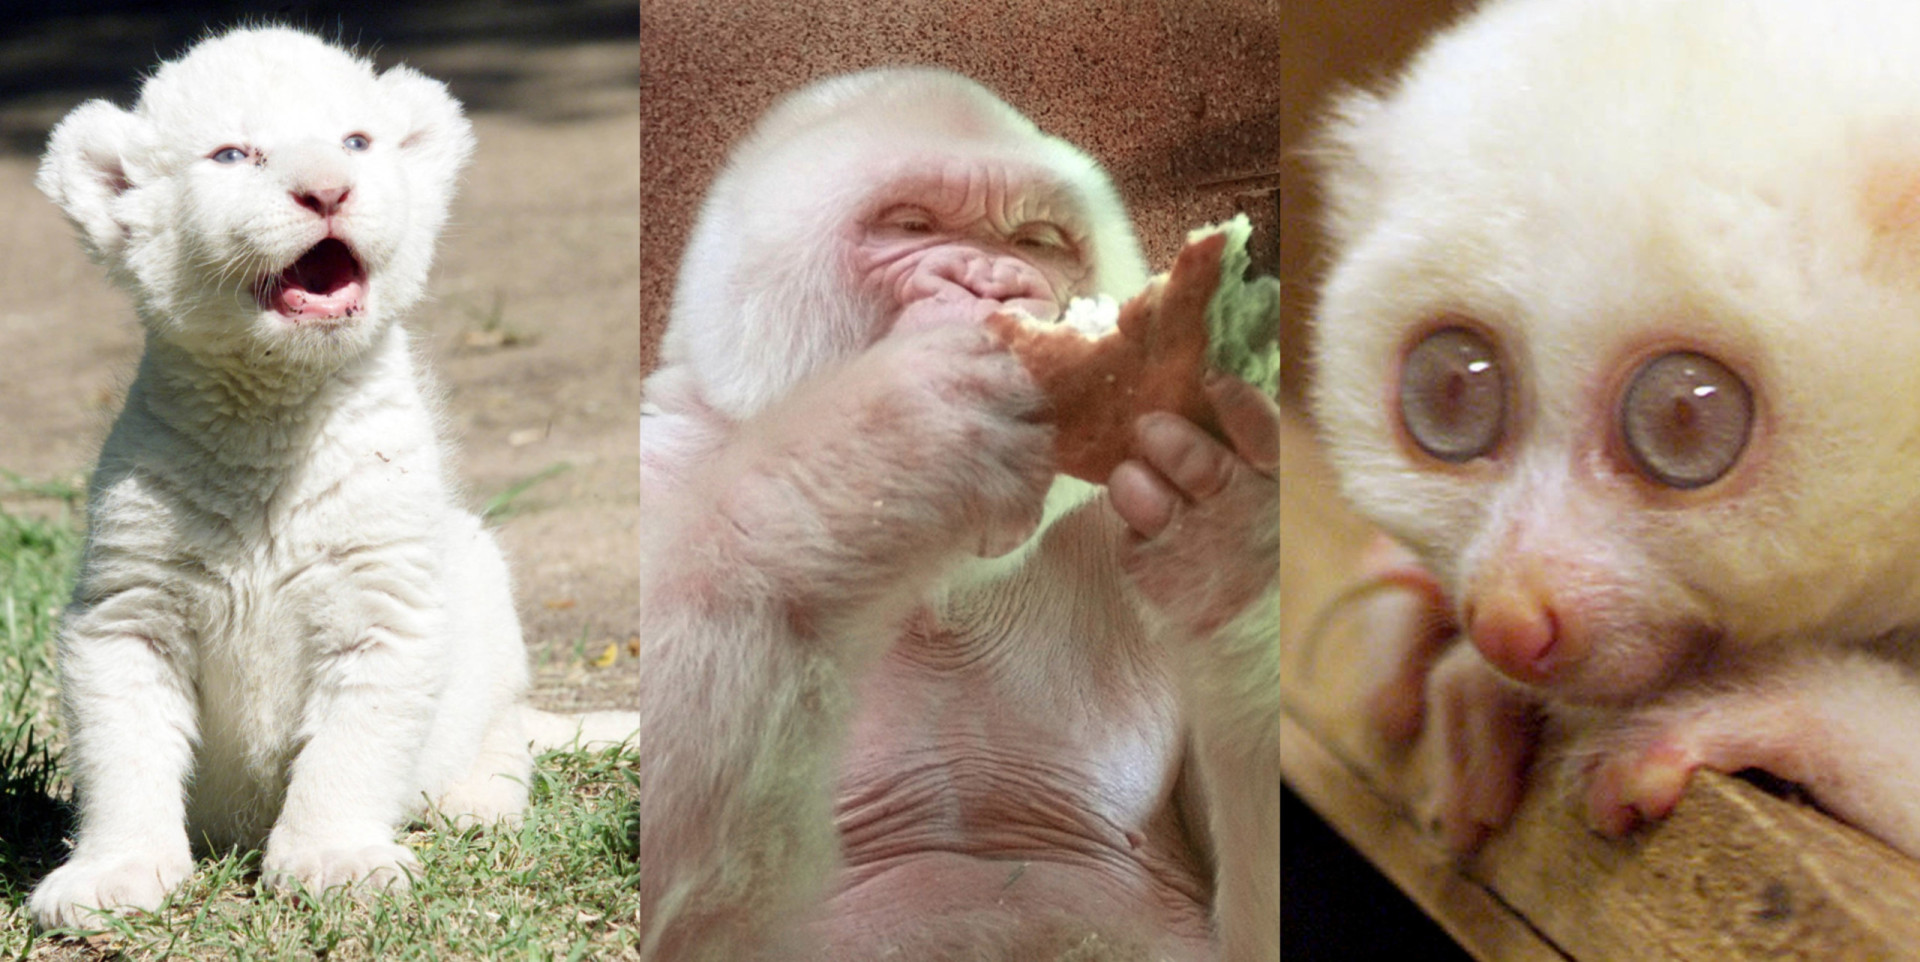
229, 155
357, 142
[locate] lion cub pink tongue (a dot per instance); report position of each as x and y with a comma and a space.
326, 282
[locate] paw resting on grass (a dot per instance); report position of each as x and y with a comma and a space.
498, 801
317, 867
76, 894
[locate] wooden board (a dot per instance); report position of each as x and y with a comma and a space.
1735, 873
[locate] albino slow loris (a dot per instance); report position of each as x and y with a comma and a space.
1620, 342
862, 740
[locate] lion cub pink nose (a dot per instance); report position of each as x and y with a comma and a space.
1518, 632
324, 201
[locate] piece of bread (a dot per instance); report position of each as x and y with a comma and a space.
1103, 365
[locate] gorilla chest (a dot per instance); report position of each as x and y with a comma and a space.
1031, 767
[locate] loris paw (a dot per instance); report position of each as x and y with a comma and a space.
1488, 730
1406, 625
320, 867
1637, 784
75, 894
1638, 764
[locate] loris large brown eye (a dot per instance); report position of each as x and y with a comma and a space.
1453, 397
1686, 418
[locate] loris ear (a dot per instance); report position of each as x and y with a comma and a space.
1342, 153
85, 171
438, 135
1887, 186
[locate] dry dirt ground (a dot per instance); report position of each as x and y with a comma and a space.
532, 316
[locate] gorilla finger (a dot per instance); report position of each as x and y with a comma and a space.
1197, 465
1143, 499
1250, 418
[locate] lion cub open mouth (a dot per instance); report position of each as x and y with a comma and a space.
326, 283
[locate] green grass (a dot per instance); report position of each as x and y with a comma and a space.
507, 503
563, 885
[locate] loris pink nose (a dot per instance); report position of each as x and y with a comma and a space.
1518, 632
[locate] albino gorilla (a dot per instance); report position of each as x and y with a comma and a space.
892, 708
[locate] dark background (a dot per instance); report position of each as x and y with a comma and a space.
55, 54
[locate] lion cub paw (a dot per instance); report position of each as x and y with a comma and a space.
77, 893
317, 868
498, 800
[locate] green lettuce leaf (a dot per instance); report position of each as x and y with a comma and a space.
1243, 318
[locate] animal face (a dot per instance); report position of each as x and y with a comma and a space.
268, 196
1621, 333
885, 200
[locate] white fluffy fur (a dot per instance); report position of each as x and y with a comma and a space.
1594, 179
286, 630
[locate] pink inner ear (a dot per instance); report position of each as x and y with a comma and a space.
110, 173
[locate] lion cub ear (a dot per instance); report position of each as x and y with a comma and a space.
85, 171
437, 131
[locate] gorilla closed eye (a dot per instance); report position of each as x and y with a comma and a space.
907, 217
1040, 235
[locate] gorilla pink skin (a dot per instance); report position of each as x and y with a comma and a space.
907, 694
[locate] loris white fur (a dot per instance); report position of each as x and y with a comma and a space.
286, 630
1621, 341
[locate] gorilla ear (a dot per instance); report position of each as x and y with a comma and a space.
85, 171
438, 133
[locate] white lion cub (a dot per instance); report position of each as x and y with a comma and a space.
286, 630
